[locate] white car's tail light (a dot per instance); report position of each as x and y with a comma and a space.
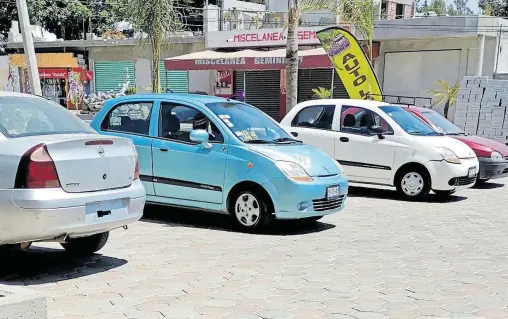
37, 169
136, 169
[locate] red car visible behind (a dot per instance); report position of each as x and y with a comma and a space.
492, 155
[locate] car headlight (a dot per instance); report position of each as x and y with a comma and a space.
294, 171
496, 156
448, 155
341, 170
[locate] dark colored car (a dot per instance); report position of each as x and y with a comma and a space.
492, 155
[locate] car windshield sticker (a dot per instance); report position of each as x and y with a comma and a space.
247, 135
228, 122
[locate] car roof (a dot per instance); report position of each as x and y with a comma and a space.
17, 94
179, 96
368, 104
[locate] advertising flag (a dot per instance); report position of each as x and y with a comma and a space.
351, 63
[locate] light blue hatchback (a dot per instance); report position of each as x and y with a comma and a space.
224, 156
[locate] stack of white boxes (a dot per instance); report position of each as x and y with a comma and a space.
481, 107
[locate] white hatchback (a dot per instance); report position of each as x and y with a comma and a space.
382, 144
61, 181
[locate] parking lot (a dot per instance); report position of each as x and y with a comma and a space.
380, 258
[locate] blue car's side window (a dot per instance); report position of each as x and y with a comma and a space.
177, 121
130, 118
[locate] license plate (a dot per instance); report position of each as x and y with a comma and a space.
105, 211
472, 172
332, 192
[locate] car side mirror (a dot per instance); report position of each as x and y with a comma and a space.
201, 136
377, 130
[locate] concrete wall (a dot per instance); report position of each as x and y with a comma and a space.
4, 71
141, 55
421, 63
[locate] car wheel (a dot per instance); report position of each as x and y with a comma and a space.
414, 184
444, 194
249, 211
86, 245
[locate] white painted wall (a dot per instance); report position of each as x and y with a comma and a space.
412, 67
397, 72
202, 81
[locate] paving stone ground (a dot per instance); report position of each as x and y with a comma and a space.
380, 258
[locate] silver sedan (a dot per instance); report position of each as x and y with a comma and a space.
61, 181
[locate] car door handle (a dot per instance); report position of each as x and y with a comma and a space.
294, 134
344, 139
163, 149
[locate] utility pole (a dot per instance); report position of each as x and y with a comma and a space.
28, 46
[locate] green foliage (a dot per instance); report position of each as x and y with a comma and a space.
157, 19
322, 93
360, 14
438, 6
445, 94
130, 91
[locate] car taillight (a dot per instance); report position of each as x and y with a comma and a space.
37, 169
136, 169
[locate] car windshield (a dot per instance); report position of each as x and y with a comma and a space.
441, 123
249, 124
409, 122
29, 116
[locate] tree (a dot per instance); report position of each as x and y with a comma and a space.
451, 11
158, 20
360, 14
445, 94
462, 8
64, 18
496, 8
295, 8
437, 6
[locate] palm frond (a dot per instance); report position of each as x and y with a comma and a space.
445, 93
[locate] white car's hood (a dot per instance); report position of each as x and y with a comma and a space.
456, 146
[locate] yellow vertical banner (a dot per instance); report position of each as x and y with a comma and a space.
350, 63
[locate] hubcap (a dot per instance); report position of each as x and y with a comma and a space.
412, 184
247, 210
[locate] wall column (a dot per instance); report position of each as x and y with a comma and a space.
480, 48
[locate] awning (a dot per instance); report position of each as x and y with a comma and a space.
246, 60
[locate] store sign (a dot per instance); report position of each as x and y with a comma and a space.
52, 73
261, 37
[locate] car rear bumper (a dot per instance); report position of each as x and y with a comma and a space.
491, 169
448, 177
294, 196
47, 214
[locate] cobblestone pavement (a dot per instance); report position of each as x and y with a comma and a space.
380, 258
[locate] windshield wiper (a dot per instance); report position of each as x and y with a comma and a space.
456, 134
286, 139
258, 142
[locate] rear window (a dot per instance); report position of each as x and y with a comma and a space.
29, 116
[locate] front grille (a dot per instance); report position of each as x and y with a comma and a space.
323, 204
461, 181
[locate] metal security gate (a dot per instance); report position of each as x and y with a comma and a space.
262, 89
309, 79
176, 81
111, 75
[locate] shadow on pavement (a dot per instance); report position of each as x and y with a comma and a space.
393, 195
40, 265
178, 217
488, 185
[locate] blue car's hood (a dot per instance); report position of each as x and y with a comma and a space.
315, 162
